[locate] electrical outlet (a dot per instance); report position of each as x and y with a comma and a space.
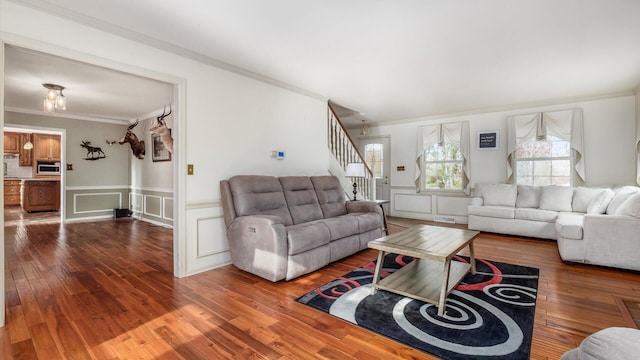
189, 169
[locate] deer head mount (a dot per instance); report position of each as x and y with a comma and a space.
137, 146
162, 130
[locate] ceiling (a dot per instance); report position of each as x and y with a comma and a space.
390, 60
92, 92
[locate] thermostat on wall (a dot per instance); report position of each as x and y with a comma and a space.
277, 154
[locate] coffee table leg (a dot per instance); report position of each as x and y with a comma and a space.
443, 289
376, 273
472, 258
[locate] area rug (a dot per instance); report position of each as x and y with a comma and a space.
487, 316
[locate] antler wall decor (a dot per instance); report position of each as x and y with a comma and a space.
137, 146
162, 130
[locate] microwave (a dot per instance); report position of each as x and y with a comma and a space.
48, 168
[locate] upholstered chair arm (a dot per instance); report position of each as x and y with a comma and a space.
258, 244
363, 207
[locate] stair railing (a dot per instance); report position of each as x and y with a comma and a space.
345, 151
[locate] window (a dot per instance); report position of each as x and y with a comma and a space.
543, 162
443, 157
443, 167
374, 159
546, 148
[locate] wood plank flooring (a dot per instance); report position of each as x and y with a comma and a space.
105, 290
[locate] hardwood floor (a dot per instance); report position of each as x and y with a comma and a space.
105, 290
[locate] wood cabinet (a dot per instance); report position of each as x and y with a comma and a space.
26, 158
11, 142
40, 195
46, 147
11, 192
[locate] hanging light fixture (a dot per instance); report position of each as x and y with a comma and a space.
54, 100
28, 145
363, 130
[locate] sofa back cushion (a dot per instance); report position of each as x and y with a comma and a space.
301, 199
330, 195
583, 196
556, 198
259, 195
622, 194
630, 207
599, 204
497, 194
528, 196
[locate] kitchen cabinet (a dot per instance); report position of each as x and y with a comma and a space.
26, 158
46, 147
11, 142
40, 195
11, 192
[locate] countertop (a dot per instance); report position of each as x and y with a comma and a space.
31, 179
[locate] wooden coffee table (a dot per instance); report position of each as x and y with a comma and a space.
432, 275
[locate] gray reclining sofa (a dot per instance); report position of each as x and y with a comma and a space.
281, 228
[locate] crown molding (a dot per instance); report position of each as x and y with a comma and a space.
511, 107
50, 8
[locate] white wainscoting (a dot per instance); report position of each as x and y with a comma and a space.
206, 234
406, 203
116, 198
155, 207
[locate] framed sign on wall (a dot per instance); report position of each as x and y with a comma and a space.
488, 140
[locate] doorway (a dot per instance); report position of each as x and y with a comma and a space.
49, 203
376, 152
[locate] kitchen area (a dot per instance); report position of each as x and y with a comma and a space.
31, 175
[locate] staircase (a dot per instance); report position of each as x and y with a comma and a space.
345, 151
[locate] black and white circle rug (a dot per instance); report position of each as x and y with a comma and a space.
489, 315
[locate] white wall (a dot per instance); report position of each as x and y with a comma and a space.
225, 124
609, 129
638, 135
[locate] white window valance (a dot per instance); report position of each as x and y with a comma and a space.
564, 124
454, 133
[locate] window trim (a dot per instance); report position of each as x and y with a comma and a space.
423, 175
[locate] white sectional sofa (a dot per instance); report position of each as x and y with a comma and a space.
599, 226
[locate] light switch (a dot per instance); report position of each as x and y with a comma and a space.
189, 169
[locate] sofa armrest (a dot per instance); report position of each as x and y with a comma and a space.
476, 201
364, 207
258, 244
612, 240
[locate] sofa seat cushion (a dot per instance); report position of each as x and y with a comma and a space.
307, 236
367, 221
536, 214
569, 225
341, 226
502, 212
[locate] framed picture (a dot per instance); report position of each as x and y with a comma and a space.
160, 152
488, 140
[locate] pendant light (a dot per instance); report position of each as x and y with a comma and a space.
28, 145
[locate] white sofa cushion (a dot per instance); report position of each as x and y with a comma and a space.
502, 212
557, 198
497, 194
601, 202
622, 194
569, 225
630, 207
536, 214
582, 197
528, 196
